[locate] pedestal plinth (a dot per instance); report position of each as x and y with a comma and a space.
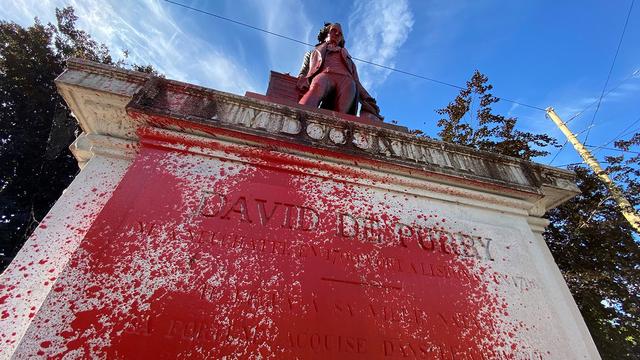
209, 225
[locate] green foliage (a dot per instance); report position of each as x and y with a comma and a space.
36, 127
599, 254
29, 104
595, 248
495, 133
592, 243
71, 42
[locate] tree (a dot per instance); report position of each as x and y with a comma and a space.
591, 242
595, 249
493, 132
36, 127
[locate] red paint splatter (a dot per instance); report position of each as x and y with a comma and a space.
252, 273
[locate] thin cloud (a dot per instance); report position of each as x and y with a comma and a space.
285, 56
225, 73
377, 30
621, 93
23, 11
155, 38
513, 107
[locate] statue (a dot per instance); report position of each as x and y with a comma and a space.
328, 77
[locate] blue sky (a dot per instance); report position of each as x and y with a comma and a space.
543, 53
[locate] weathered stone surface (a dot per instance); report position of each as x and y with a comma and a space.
205, 225
199, 106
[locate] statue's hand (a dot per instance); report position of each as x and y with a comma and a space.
303, 84
372, 102
370, 109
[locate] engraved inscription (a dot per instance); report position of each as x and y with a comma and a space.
249, 210
422, 237
374, 142
141, 327
261, 120
344, 256
365, 229
319, 343
202, 331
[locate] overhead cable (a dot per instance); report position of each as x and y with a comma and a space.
237, 22
562, 147
558, 152
620, 134
634, 74
613, 63
613, 149
569, 164
354, 58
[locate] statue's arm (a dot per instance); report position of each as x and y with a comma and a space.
363, 94
367, 102
303, 81
305, 64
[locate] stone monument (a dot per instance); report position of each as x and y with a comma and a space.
210, 225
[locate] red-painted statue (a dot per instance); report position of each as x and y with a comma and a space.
328, 77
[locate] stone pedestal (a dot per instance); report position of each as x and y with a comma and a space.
205, 225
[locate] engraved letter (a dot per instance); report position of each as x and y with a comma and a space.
287, 222
211, 203
264, 218
388, 348
347, 226
361, 140
405, 232
466, 245
309, 218
484, 243
239, 207
425, 239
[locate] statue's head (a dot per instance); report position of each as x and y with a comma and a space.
331, 33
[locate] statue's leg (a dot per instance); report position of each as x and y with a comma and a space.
346, 93
318, 90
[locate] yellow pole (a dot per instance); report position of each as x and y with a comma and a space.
625, 207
